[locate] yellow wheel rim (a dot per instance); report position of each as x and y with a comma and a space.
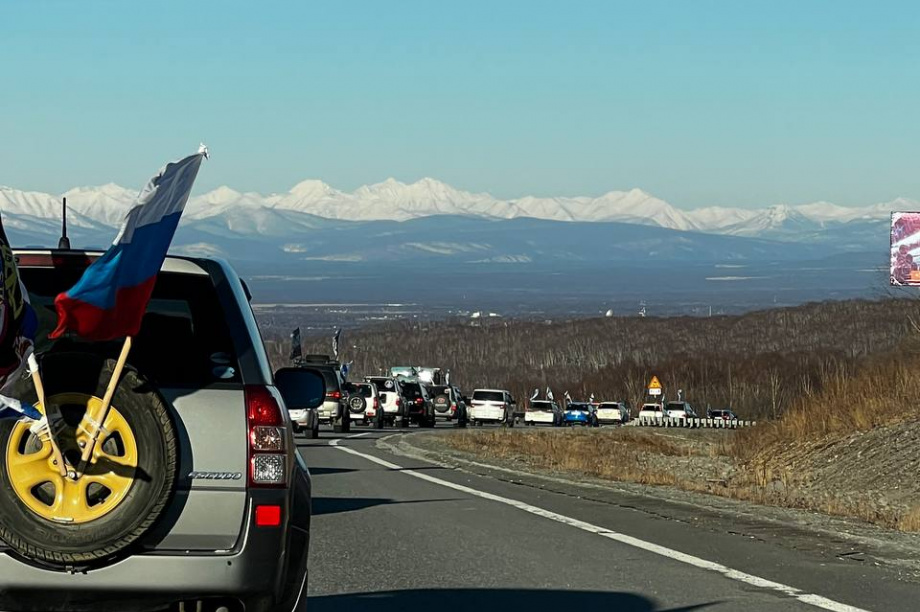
38, 483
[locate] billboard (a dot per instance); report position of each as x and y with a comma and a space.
905, 249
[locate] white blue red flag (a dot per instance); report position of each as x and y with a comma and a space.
110, 298
335, 342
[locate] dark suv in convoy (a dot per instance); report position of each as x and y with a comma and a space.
334, 410
196, 495
448, 403
419, 408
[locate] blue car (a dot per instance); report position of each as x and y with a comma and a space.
580, 413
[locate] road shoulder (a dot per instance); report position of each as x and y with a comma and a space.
828, 537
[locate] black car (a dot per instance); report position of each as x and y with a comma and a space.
448, 403
419, 408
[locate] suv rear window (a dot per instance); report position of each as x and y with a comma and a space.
412, 390
183, 342
538, 405
488, 396
332, 380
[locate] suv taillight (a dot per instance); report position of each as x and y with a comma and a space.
267, 438
336, 395
398, 402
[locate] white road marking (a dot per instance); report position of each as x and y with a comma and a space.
732, 574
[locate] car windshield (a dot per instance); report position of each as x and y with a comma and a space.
540, 405
578, 406
651, 407
364, 390
488, 396
332, 380
412, 390
182, 310
382, 383
609, 406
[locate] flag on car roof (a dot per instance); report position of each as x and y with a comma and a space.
296, 347
335, 342
110, 298
18, 324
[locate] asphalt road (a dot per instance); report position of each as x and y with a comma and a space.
392, 533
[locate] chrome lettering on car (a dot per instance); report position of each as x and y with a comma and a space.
215, 476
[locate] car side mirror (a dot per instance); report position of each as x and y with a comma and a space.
301, 387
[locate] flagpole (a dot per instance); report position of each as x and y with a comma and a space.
51, 422
96, 420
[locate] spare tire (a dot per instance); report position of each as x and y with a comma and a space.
442, 402
98, 518
357, 404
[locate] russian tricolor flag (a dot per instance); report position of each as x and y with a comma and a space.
109, 300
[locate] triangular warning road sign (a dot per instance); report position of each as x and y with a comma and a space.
655, 384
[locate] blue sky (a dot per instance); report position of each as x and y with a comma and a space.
701, 103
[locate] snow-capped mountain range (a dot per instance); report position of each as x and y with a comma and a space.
397, 221
396, 201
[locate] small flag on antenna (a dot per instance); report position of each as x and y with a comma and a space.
296, 349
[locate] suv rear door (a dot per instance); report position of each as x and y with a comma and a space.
199, 345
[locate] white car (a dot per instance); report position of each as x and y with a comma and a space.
679, 410
492, 406
543, 412
612, 413
363, 402
652, 411
305, 420
390, 399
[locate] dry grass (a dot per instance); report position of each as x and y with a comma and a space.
884, 391
910, 521
692, 460
629, 455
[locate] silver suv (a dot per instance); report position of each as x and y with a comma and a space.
196, 494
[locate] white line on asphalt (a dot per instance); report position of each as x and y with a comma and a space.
732, 574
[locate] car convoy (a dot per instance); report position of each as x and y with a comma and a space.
423, 396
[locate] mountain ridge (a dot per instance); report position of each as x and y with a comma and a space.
395, 200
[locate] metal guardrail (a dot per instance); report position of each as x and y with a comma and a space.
691, 423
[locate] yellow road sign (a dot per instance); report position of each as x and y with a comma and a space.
655, 384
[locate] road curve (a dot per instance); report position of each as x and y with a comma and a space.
392, 533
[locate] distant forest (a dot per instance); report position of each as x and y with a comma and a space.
758, 363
